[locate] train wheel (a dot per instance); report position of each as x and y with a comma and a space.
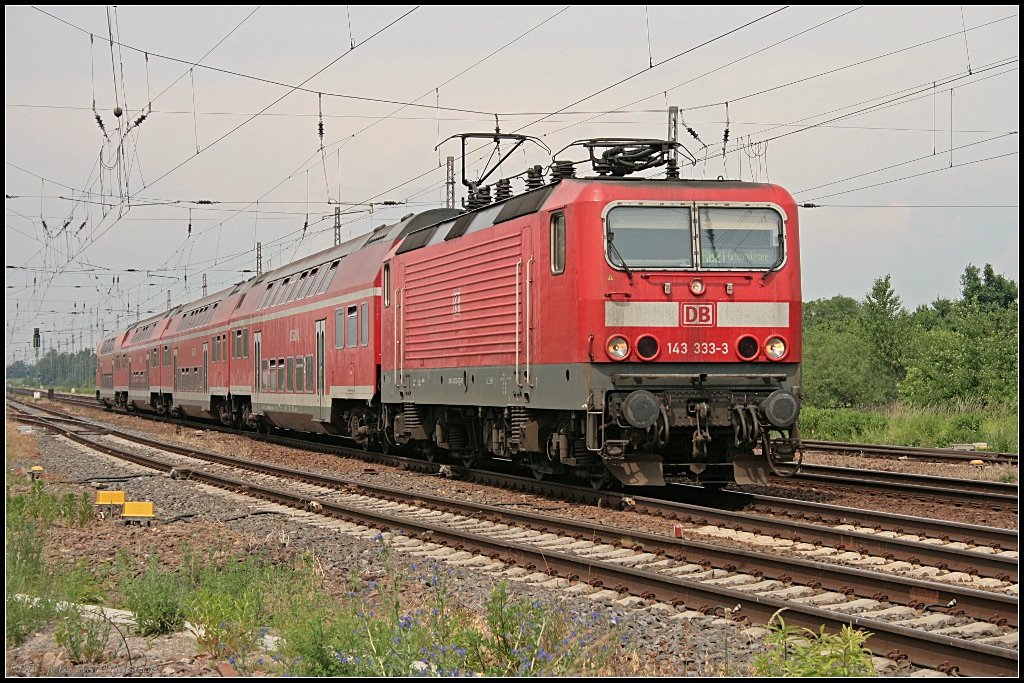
599, 480
540, 468
469, 459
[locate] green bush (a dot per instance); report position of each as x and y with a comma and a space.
840, 424
85, 637
229, 605
801, 652
157, 598
903, 425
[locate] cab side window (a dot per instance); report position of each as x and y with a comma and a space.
557, 243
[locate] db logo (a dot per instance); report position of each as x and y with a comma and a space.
699, 314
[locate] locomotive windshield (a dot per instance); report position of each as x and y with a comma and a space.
646, 237
650, 237
740, 238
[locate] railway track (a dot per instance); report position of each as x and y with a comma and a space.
960, 549
997, 494
813, 593
939, 454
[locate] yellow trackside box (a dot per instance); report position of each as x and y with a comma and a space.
110, 497
137, 511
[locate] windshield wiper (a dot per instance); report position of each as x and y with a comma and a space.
611, 244
782, 257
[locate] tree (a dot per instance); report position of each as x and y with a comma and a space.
884, 322
988, 290
837, 312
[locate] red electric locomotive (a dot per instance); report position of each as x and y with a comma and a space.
607, 328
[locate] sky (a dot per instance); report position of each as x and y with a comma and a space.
896, 125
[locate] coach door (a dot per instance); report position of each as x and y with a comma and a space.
321, 400
257, 378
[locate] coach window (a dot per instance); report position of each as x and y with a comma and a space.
294, 289
648, 237
309, 373
315, 287
280, 374
266, 296
298, 374
245, 343
327, 279
281, 291
557, 243
386, 281
353, 325
273, 375
308, 287
732, 237
286, 292
301, 285
291, 373
364, 328
264, 378
339, 328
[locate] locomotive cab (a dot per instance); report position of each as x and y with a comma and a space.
692, 313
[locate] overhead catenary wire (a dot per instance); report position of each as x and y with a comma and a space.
262, 209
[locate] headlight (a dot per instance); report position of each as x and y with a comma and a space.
647, 347
775, 348
697, 287
746, 347
617, 348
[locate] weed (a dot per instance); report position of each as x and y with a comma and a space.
78, 583
85, 637
1008, 477
794, 651
229, 605
399, 626
157, 598
903, 425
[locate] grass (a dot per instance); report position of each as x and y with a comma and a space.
800, 652
41, 593
408, 622
156, 597
902, 425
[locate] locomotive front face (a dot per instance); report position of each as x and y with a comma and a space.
695, 310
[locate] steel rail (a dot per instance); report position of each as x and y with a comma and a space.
923, 648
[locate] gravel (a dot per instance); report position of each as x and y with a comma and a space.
666, 641
662, 645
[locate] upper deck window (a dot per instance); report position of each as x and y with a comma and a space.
740, 237
649, 237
